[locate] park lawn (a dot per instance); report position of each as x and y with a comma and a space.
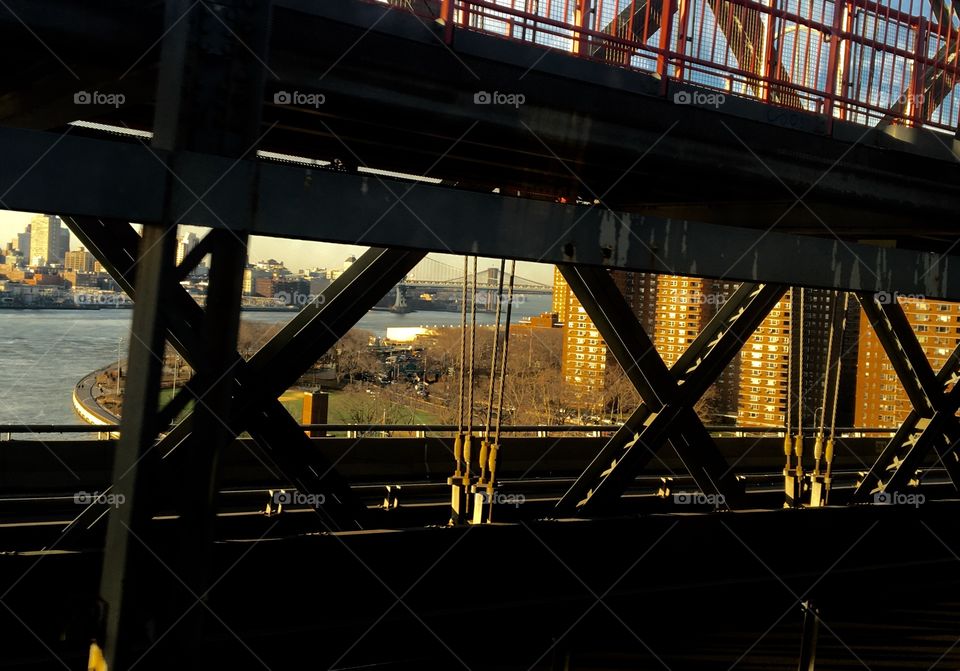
337, 412
292, 400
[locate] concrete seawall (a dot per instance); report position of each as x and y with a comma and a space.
87, 407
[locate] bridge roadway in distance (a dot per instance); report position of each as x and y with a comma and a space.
580, 135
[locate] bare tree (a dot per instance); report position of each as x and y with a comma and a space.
253, 335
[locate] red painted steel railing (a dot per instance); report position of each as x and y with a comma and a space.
867, 61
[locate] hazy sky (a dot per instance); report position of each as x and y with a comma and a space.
295, 254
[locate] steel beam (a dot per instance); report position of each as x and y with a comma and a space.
635, 443
643, 366
278, 364
135, 462
198, 470
438, 218
931, 83
200, 250
904, 351
931, 424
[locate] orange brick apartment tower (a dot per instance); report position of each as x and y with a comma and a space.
684, 306
585, 358
880, 398
771, 357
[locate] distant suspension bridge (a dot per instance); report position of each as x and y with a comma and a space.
433, 273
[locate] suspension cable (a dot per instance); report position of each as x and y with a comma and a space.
831, 334
473, 347
836, 396
485, 441
495, 445
493, 358
788, 423
458, 440
818, 441
798, 445
503, 360
836, 393
800, 368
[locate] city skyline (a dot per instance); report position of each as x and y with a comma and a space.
296, 255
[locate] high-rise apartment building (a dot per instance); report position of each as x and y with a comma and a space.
684, 306
185, 246
781, 358
585, 360
880, 398
49, 240
80, 261
753, 389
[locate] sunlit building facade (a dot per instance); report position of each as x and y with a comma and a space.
684, 306
772, 363
585, 359
880, 398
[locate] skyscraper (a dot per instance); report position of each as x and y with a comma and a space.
49, 240
185, 246
23, 242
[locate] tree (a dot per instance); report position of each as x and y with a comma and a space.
620, 397
253, 335
352, 355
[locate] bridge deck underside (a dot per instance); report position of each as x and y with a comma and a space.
699, 592
587, 130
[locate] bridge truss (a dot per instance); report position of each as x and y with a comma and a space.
216, 68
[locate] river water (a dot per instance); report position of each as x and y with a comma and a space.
43, 353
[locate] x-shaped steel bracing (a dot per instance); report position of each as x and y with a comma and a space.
742, 28
274, 368
668, 395
932, 423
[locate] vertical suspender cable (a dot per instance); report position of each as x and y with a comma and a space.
485, 442
788, 423
473, 348
818, 441
798, 445
495, 445
458, 441
828, 457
